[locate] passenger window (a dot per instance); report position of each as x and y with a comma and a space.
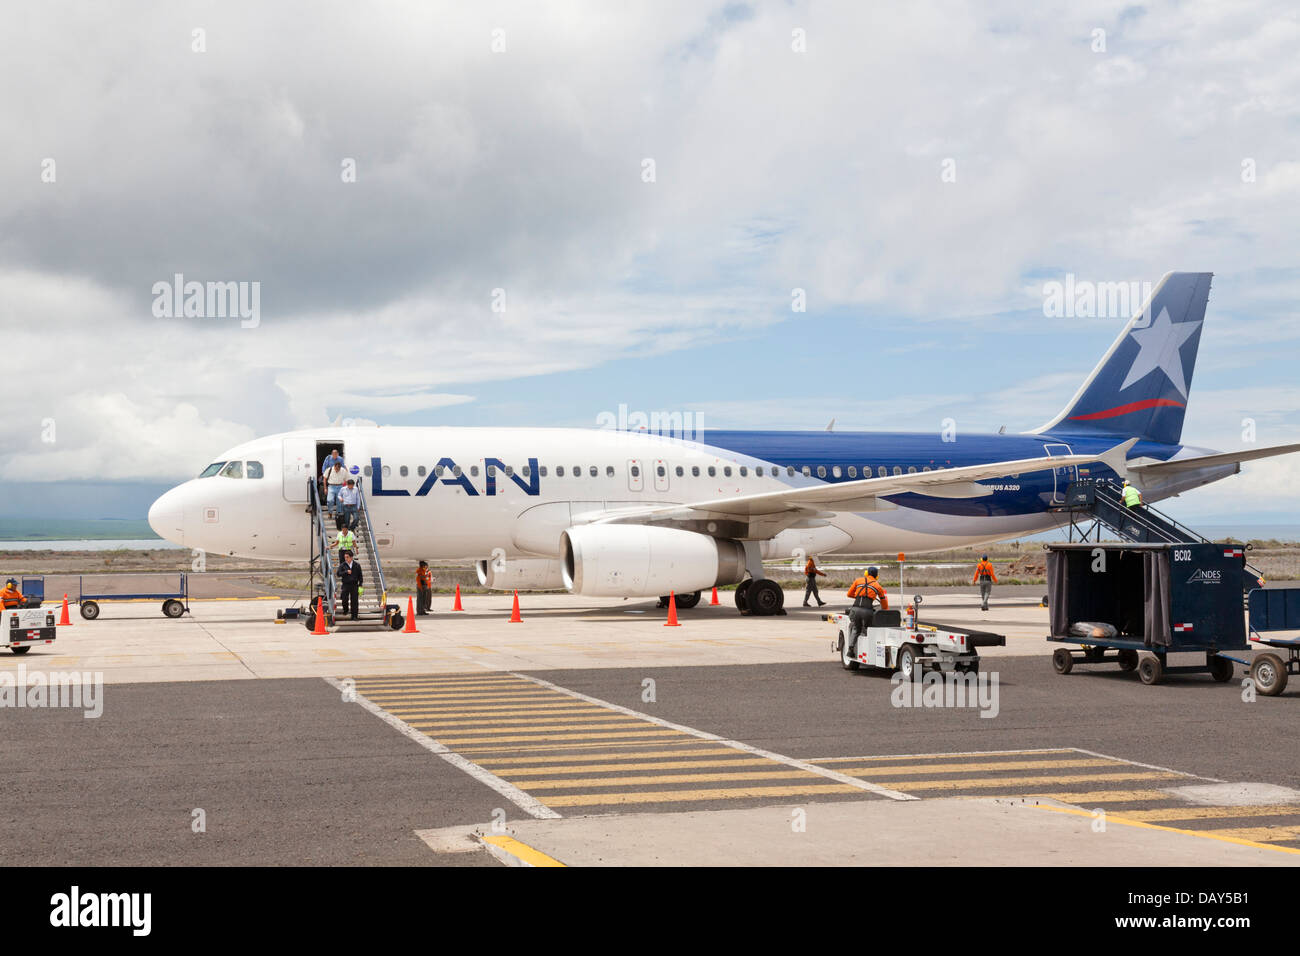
559, 471
419, 471
821, 471
491, 471
883, 472
440, 470
911, 469
695, 471
473, 471
636, 472
388, 471
681, 472
366, 471
526, 471
836, 472
661, 471
789, 471
926, 468
807, 472
609, 471
713, 472
510, 470
758, 471
577, 471
542, 471
744, 472
853, 471
726, 471
897, 470
455, 471
255, 469
212, 469
594, 471
402, 471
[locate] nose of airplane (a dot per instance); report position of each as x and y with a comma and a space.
167, 517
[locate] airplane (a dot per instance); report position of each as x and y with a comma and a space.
603, 512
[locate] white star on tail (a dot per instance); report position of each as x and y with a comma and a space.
1160, 343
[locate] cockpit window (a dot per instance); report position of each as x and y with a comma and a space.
254, 470
233, 470
212, 469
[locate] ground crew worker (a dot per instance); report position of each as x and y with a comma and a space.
345, 541
865, 591
985, 578
11, 596
810, 572
1132, 497
423, 589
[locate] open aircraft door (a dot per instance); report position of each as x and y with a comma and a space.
1063, 477
661, 474
299, 465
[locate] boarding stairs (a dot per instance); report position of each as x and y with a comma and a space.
326, 564
1097, 503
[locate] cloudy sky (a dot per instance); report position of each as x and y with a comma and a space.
920, 170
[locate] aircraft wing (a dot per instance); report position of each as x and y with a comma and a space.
765, 514
1161, 468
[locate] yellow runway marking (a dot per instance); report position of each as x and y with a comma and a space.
652, 732
501, 762
510, 774
1210, 813
909, 785
1255, 834
437, 729
651, 779
1204, 834
516, 715
684, 796
1100, 796
522, 851
977, 768
459, 709
973, 756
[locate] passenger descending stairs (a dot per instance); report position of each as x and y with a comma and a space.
371, 606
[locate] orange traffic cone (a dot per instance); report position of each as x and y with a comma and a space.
672, 611
410, 618
319, 629
514, 613
714, 600
64, 620
456, 606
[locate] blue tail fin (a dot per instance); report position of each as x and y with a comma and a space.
1140, 387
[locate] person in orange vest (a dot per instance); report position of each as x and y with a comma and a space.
810, 572
985, 578
865, 591
11, 596
423, 589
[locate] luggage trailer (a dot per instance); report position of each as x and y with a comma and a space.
1274, 609
1161, 599
174, 603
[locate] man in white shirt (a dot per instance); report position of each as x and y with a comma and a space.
349, 499
334, 480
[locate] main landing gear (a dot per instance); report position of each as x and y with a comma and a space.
761, 598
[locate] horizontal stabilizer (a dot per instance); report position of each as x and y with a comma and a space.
1159, 468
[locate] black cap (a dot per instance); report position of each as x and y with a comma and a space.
873, 571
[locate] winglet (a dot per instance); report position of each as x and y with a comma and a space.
1116, 459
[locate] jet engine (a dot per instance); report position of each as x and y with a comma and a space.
521, 574
627, 560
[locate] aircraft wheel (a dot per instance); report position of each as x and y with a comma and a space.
765, 598
742, 590
1269, 674
687, 601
